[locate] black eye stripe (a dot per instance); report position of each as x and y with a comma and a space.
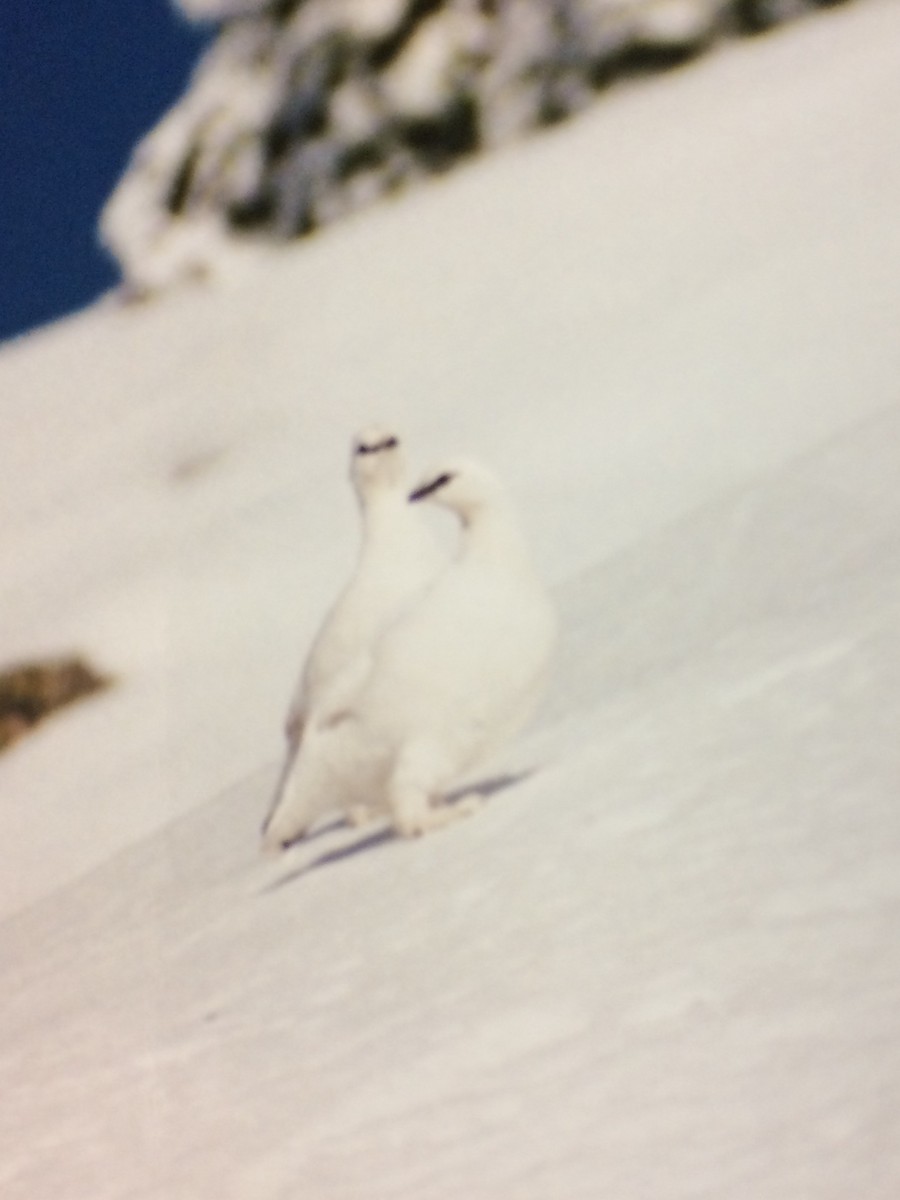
428, 489
389, 443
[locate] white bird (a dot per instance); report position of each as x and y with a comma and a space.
449, 681
398, 558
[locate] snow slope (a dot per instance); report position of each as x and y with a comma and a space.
663, 964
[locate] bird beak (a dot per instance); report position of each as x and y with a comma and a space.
428, 489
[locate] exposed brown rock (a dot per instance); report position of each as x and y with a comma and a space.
30, 691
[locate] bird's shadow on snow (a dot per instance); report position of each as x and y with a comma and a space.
484, 788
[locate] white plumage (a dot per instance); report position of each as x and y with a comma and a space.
398, 558
448, 681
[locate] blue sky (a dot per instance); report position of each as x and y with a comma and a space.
80, 81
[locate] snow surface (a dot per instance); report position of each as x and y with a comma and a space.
665, 962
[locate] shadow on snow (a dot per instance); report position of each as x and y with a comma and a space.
485, 788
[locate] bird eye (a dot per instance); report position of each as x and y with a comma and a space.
389, 443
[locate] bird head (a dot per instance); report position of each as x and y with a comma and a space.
463, 486
377, 461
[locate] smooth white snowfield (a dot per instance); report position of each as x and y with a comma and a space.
666, 963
